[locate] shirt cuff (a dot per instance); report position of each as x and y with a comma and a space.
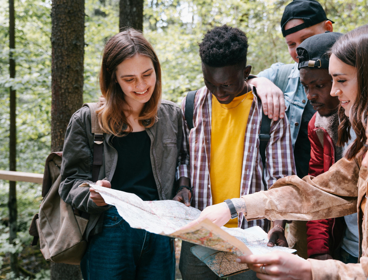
323, 269
183, 171
255, 205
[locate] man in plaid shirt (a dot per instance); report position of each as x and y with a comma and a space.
220, 157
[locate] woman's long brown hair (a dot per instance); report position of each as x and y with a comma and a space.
111, 116
352, 49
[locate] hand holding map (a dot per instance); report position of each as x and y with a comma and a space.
171, 218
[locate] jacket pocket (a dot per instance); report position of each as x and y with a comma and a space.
112, 220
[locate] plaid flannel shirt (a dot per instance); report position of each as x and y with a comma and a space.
194, 162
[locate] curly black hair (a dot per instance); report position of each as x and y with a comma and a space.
223, 46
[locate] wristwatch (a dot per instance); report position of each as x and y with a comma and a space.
231, 206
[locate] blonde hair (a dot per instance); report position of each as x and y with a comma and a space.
111, 117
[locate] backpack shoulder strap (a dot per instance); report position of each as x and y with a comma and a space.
282, 76
189, 108
97, 141
264, 137
95, 127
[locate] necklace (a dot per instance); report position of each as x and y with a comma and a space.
235, 105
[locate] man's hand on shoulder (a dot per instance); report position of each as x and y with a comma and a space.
272, 97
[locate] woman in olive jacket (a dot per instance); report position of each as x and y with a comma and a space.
141, 139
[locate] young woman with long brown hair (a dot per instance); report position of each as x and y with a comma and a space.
141, 140
338, 192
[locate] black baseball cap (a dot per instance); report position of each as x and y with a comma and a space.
310, 11
313, 52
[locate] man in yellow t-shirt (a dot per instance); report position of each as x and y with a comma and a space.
221, 156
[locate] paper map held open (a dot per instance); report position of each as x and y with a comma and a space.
167, 217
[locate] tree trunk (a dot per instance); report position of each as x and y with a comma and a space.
131, 14
12, 202
67, 40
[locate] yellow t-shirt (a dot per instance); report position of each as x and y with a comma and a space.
229, 122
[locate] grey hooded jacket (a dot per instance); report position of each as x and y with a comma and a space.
76, 167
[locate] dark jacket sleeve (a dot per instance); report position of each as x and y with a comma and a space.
76, 167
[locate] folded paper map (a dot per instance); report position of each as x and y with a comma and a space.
167, 217
224, 264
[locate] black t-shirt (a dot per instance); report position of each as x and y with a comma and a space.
302, 145
133, 172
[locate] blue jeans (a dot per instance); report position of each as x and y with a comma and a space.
121, 252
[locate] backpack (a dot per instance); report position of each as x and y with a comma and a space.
58, 226
264, 135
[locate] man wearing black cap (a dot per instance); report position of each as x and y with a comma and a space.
301, 19
327, 238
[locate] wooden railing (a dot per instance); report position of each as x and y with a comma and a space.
21, 176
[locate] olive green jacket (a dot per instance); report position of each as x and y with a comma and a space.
76, 168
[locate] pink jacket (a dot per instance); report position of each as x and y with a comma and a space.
335, 193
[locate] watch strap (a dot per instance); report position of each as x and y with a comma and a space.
231, 206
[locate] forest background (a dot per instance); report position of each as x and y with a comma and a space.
174, 28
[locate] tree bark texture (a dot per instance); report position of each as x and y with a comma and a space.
12, 202
131, 14
67, 40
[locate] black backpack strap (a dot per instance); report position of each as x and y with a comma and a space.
189, 108
264, 137
281, 81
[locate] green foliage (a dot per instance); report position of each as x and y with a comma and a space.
174, 28
32, 82
102, 22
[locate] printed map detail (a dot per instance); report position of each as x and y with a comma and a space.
167, 217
